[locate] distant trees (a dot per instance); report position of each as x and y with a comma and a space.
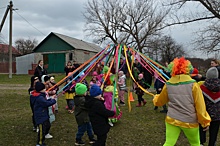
165, 49
125, 22
25, 46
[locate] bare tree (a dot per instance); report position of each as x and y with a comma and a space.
25, 46
165, 49
129, 22
208, 39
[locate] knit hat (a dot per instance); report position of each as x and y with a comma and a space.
105, 69
121, 72
39, 86
51, 78
45, 78
80, 89
195, 72
94, 73
140, 76
95, 90
212, 73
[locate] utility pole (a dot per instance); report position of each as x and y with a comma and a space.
10, 41
9, 9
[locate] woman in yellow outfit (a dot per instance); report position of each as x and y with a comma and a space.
186, 106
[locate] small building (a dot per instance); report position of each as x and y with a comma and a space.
58, 49
4, 58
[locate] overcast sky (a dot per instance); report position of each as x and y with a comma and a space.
35, 19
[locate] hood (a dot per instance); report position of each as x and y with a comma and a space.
212, 84
109, 88
35, 93
90, 101
123, 76
42, 78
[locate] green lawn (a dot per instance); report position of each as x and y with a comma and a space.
141, 127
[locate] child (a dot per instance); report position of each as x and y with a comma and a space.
46, 81
186, 104
69, 94
41, 116
211, 93
158, 85
69, 68
81, 115
94, 79
34, 79
98, 115
139, 92
109, 99
122, 87
52, 82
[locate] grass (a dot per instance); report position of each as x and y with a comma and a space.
141, 127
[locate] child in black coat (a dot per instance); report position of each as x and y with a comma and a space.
98, 115
139, 91
158, 85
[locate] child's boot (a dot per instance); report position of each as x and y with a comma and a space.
144, 102
138, 105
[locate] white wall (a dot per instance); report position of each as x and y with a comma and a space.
24, 63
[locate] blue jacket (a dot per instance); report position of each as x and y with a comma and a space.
41, 104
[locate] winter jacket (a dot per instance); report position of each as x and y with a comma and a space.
211, 93
143, 84
122, 82
95, 82
39, 71
158, 84
41, 105
67, 88
108, 95
68, 70
98, 115
80, 112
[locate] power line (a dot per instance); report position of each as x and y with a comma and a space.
2, 37
30, 23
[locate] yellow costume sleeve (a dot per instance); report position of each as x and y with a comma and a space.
203, 116
162, 98
201, 83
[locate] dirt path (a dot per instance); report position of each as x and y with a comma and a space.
14, 86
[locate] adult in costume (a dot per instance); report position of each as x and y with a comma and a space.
186, 106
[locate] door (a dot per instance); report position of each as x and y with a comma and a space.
56, 62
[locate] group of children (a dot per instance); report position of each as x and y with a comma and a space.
96, 109
86, 107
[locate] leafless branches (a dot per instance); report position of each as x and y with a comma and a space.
129, 22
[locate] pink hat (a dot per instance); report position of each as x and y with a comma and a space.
94, 73
140, 76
